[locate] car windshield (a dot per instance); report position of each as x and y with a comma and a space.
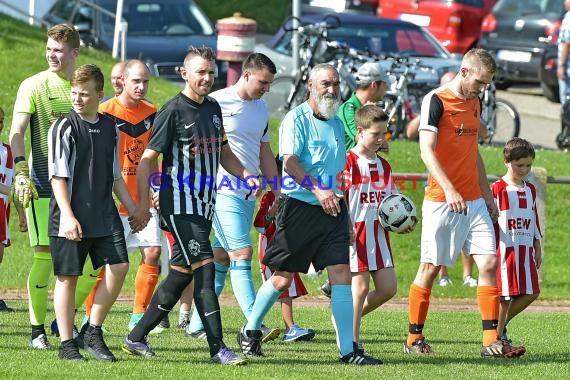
380, 39
528, 7
153, 18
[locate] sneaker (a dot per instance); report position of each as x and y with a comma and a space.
470, 281
40, 343
296, 333
70, 351
359, 357
134, 320
5, 308
183, 321
500, 349
141, 348
444, 281
250, 341
269, 334
228, 357
78, 337
96, 346
199, 334
326, 289
419, 346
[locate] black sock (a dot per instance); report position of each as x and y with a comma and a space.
163, 300
208, 306
38, 330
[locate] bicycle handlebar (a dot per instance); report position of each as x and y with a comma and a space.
329, 21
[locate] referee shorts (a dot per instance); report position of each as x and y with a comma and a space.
306, 234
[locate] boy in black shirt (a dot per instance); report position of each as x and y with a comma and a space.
84, 172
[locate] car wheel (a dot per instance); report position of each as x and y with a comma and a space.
550, 92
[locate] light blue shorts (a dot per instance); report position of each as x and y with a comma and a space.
232, 222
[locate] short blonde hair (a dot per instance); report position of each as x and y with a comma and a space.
65, 34
368, 115
85, 73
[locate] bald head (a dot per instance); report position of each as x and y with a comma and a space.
136, 77
117, 77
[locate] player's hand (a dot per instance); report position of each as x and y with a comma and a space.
329, 201
455, 202
139, 218
538, 259
72, 229
23, 188
253, 183
493, 210
154, 200
23, 223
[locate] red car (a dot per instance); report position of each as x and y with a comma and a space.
455, 23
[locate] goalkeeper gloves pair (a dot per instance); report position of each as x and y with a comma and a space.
23, 188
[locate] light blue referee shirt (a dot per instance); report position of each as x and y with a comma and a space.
319, 146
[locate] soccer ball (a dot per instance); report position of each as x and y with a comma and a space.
397, 212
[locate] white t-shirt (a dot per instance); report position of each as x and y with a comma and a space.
246, 123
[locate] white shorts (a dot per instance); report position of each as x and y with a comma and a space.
148, 237
445, 233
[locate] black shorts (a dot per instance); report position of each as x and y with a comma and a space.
69, 256
191, 239
306, 234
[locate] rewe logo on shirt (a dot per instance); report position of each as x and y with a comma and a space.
518, 223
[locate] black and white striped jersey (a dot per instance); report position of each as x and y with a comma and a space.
190, 137
86, 155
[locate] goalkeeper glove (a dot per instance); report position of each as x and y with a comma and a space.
23, 188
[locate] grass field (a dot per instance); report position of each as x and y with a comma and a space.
455, 337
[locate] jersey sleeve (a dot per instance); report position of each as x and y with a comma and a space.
431, 112
162, 130
25, 102
291, 140
60, 149
265, 137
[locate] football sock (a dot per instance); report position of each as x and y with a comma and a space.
419, 306
162, 302
85, 283
208, 307
242, 284
39, 281
342, 310
145, 282
266, 297
488, 300
219, 282
91, 297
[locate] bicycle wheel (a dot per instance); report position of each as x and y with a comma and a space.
505, 123
284, 95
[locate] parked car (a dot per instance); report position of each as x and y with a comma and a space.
455, 23
337, 6
159, 31
517, 32
368, 33
548, 77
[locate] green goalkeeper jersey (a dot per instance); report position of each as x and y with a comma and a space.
45, 96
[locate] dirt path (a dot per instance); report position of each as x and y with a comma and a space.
443, 304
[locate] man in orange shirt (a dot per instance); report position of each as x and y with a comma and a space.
458, 207
134, 116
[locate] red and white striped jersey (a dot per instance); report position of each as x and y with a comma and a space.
515, 231
6, 174
370, 182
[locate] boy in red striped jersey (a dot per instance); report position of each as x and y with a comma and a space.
517, 233
370, 178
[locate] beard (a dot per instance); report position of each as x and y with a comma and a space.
327, 104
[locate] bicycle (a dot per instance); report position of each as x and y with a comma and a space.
500, 117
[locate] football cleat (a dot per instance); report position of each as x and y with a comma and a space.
141, 348
296, 333
360, 358
227, 357
40, 342
501, 349
96, 346
419, 346
269, 333
250, 341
